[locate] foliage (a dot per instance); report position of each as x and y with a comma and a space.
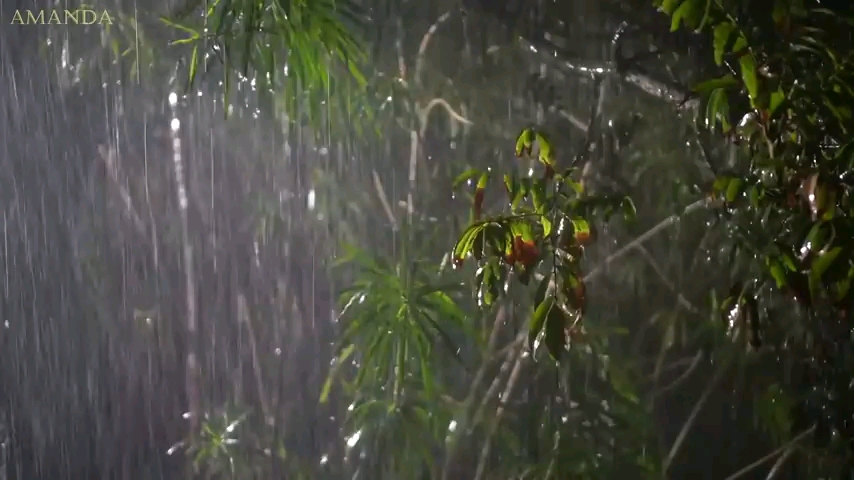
550, 221
305, 58
785, 97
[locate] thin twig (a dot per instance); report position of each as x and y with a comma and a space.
689, 422
695, 362
786, 450
507, 352
500, 318
671, 220
423, 113
779, 463
495, 385
422, 48
378, 185
664, 278
499, 413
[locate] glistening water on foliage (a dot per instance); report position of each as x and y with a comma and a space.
428, 240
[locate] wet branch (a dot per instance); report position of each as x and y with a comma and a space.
664, 224
689, 422
499, 413
627, 69
786, 451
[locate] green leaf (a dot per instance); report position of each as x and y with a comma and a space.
194, 34
524, 142
749, 76
546, 222
542, 289
727, 81
580, 226
734, 189
824, 261
717, 110
555, 335
723, 32
777, 99
575, 186
669, 6
687, 13
511, 185
194, 64
538, 196
465, 176
538, 319
466, 242
777, 272
327, 385
842, 288
621, 384
521, 193
706, 16
481, 182
546, 155
629, 210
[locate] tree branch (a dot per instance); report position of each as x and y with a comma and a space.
689, 422
786, 450
499, 413
671, 220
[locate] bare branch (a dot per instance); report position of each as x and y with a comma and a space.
671, 220
689, 422
786, 450
664, 278
499, 413
695, 362
378, 185
422, 48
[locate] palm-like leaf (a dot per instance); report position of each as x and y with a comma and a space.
301, 55
297, 48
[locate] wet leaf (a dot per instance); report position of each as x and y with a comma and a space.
343, 356
749, 76
477, 204
582, 230
466, 176
629, 210
524, 143
621, 384
555, 332
538, 320
734, 189
546, 154
727, 81
722, 33
466, 242
687, 13
777, 271
824, 261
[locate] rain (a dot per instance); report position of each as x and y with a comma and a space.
402, 239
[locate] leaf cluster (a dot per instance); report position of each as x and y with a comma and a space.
547, 223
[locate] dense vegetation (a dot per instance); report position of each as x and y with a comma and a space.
577, 240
